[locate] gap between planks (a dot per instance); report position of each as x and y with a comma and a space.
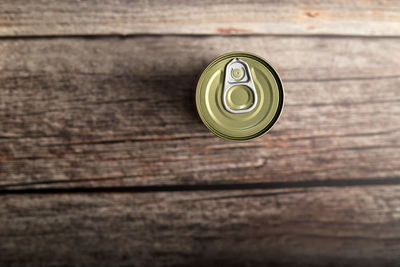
146, 35
361, 182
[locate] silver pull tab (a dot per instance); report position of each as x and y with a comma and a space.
237, 72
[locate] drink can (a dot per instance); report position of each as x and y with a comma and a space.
239, 96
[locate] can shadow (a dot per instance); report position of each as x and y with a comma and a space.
176, 94
161, 103
168, 100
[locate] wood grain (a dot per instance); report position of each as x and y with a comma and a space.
104, 161
120, 112
100, 17
298, 227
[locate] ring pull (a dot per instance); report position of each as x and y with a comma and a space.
237, 75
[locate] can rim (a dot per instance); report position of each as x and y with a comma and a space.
280, 103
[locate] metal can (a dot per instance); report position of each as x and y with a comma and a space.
239, 96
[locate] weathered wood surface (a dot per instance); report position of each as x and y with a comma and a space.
299, 227
98, 17
104, 161
90, 112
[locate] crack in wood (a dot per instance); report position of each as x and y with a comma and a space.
360, 182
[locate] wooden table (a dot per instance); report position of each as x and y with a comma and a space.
104, 161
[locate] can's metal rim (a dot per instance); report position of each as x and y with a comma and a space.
277, 113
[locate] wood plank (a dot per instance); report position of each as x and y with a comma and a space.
119, 112
99, 17
297, 227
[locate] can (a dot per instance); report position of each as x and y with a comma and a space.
239, 96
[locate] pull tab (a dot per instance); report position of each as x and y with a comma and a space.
239, 94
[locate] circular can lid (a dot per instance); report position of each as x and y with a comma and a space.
239, 96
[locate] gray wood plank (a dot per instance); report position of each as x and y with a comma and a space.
117, 112
99, 17
297, 227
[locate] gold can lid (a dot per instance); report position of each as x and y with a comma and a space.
239, 96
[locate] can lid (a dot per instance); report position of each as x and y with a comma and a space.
239, 96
